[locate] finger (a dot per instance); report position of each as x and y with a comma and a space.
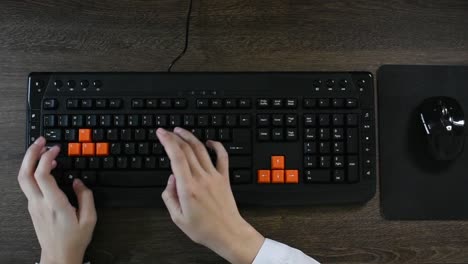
222, 160
25, 176
87, 216
171, 200
197, 147
45, 180
179, 163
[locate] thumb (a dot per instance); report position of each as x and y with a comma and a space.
86, 211
171, 200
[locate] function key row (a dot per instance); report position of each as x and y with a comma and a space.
204, 103
309, 103
163, 103
88, 103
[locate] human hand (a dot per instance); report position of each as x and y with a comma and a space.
200, 200
63, 231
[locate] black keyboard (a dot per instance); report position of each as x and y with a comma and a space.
293, 138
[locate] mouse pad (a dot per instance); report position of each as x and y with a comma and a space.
413, 185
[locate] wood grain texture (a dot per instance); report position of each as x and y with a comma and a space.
237, 35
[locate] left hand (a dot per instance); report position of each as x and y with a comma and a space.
63, 231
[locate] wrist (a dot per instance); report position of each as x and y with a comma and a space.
241, 243
47, 258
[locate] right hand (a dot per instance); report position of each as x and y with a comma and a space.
200, 200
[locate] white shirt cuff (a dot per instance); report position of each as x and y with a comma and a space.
273, 252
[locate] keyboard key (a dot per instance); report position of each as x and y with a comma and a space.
277, 176
244, 103
150, 162
175, 120
351, 103
164, 163
277, 162
263, 103
324, 103
202, 120
112, 134
133, 120
202, 103
102, 149
263, 134
139, 178
324, 147
291, 120
115, 103
277, 103
129, 148
80, 163
165, 103
63, 121
105, 120
244, 120
338, 161
352, 168
310, 120
88, 149
138, 103
310, 134
101, 103
338, 103
224, 134
151, 103
217, 120
136, 162
216, 103
352, 140
189, 120
291, 134
352, 120
263, 120
70, 134
291, 103
49, 121
84, 135
277, 134
53, 134
230, 103
109, 163
277, 120
87, 103
77, 120
157, 149
324, 120
291, 176
230, 120
310, 148
310, 162
73, 103
317, 176
263, 176
338, 175
115, 148
338, 134
240, 162
98, 135
310, 103
126, 134
338, 147
140, 134
93, 163
338, 119
143, 148
324, 133
121, 162
241, 176
91, 120
324, 161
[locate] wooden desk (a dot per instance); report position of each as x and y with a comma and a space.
238, 35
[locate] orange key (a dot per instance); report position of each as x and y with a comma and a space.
277, 176
88, 149
102, 149
277, 162
292, 176
263, 176
74, 149
84, 135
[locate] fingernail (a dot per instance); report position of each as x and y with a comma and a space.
161, 131
40, 140
177, 129
77, 182
171, 179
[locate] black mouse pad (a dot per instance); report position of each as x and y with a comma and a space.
413, 185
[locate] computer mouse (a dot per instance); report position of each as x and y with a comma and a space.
444, 124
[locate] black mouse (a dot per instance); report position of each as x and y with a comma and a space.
444, 124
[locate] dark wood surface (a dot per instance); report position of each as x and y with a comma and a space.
236, 35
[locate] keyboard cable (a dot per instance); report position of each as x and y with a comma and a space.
187, 30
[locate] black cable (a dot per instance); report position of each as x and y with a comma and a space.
187, 30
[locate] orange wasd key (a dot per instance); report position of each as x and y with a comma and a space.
102, 149
292, 176
84, 135
277, 162
88, 149
263, 176
74, 149
277, 176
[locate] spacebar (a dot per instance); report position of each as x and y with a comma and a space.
135, 178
